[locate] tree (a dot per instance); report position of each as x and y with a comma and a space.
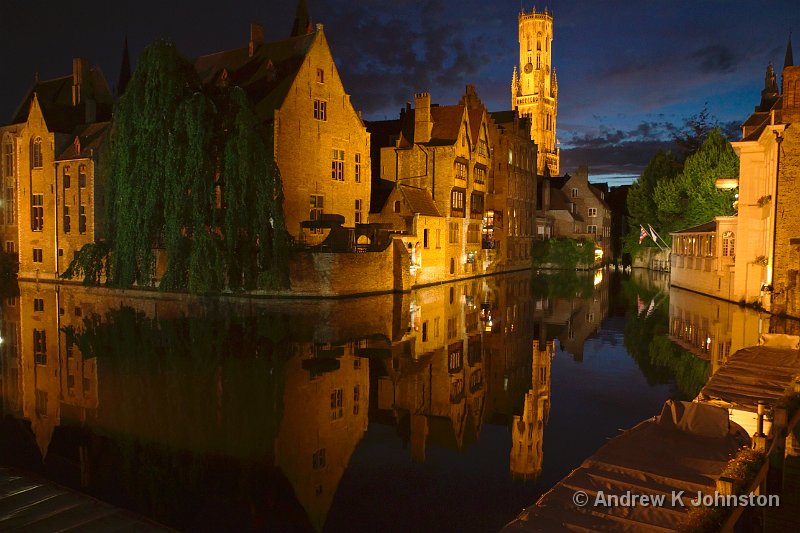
692, 197
192, 172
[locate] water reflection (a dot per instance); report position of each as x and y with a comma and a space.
249, 414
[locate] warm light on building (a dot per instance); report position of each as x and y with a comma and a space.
726, 183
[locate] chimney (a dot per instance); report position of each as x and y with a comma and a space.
422, 118
256, 37
77, 80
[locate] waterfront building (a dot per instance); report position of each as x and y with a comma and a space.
443, 153
753, 256
321, 145
534, 89
513, 189
50, 152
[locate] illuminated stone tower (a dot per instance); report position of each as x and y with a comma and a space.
534, 89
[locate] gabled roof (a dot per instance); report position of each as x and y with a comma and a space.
266, 76
419, 201
91, 137
55, 100
446, 124
475, 121
560, 202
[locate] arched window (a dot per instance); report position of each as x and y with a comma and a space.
8, 156
728, 244
397, 206
539, 42
36, 153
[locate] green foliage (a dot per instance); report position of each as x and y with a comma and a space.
690, 372
671, 197
173, 143
563, 253
91, 262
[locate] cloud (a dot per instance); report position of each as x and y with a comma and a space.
715, 58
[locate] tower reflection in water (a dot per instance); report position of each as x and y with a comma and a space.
244, 413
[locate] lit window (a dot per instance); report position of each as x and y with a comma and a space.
40, 346
37, 212
359, 214
480, 175
592, 212
461, 171
455, 231
728, 244
337, 165
591, 229
316, 201
457, 203
476, 205
36, 153
336, 404
320, 110
8, 157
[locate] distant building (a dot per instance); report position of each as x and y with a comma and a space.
534, 90
579, 209
50, 152
321, 145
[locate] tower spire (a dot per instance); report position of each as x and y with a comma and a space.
124, 70
302, 20
788, 60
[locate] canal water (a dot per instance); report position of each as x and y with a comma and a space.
426, 411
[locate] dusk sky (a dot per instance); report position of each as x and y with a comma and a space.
629, 72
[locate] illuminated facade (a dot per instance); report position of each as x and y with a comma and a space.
527, 429
534, 89
321, 145
50, 151
443, 152
514, 189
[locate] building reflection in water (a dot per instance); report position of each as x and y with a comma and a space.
712, 329
245, 414
527, 430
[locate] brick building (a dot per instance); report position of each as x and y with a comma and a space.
50, 152
579, 210
321, 145
443, 152
514, 188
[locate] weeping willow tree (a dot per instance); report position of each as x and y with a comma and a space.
192, 172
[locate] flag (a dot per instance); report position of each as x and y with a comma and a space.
642, 234
653, 234
640, 305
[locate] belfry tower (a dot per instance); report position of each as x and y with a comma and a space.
534, 89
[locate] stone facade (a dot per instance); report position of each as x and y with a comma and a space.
702, 257
786, 278
514, 190
534, 90
444, 150
579, 210
50, 153
321, 145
